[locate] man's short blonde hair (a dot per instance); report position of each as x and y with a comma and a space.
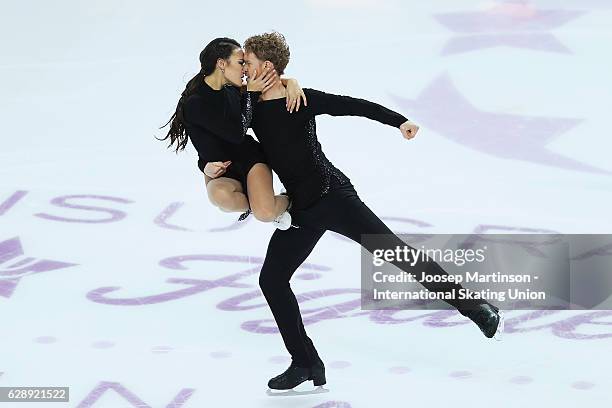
270, 47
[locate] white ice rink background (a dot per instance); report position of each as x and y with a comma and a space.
121, 281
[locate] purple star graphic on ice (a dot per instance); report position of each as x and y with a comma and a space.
584, 4
512, 23
13, 266
442, 108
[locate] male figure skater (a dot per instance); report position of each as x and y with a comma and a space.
323, 198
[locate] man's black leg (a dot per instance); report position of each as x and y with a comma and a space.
286, 252
346, 214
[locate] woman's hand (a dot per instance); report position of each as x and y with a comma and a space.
294, 93
265, 81
409, 129
216, 169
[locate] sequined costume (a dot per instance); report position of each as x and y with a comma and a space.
324, 199
290, 144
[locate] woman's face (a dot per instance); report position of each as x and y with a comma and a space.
233, 67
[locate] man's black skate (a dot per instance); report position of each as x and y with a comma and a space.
294, 376
489, 319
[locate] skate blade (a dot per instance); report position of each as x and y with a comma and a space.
318, 389
499, 333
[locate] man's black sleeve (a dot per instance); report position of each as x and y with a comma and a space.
339, 105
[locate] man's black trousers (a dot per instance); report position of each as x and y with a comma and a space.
340, 210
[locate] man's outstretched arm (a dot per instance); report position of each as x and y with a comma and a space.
341, 105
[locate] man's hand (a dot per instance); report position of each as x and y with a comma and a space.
294, 93
262, 83
216, 169
409, 129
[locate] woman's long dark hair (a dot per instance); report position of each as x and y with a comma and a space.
217, 48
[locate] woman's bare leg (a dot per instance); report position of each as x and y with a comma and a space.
226, 193
264, 204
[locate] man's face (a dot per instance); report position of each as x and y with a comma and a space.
252, 64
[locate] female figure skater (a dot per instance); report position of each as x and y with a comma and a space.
215, 115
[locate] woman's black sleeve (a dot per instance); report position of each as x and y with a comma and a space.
229, 120
339, 105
